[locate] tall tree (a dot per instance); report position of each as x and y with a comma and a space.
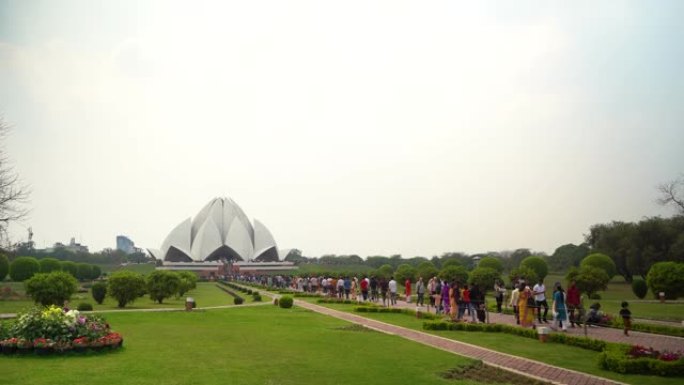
12, 194
672, 194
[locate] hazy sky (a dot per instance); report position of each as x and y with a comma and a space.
346, 127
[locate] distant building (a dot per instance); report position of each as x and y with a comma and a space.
72, 247
123, 243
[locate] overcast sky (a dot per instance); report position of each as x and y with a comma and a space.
372, 128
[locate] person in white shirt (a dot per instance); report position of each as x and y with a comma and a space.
515, 296
393, 291
539, 291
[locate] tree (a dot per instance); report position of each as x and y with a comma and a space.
537, 264
639, 288
48, 265
83, 271
567, 256
384, 271
12, 194
525, 273
162, 284
668, 278
295, 256
589, 279
70, 267
404, 272
516, 258
4, 266
671, 194
99, 291
125, 286
427, 270
602, 262
484, 278
51, 288
188, 281
95, 272
23, 268
454, 274
492, 263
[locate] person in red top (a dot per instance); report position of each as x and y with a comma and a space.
573, 302
364, 289
407, 289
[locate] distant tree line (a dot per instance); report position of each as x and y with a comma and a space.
104, 257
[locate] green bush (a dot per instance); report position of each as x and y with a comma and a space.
83, 271
492, 263
640, 288
99, 291
616, 359
404, 272
537, 264
162, 284
525, 273
70, 267
51, 288
600, 261
4, 266
238, 300
286, 302
125, 286
23, 268
589, 279
84, 306
667, 277
484, 278
595, 296
454, 273
95, 272
49, 264
256, 297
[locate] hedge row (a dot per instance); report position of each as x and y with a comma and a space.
337, 300
581, 342
378, 309
238, 300
615, 359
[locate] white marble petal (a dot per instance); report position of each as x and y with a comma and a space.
207, 240
202, 216
239, 240
179, 238
263, 239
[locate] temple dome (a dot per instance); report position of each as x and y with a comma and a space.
220, 231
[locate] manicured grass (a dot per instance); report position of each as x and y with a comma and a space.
568, 357
206, 294
242, 345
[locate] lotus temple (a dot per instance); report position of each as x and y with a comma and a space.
220, 240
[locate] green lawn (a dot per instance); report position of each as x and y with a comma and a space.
206, 294
568, 357
248, 345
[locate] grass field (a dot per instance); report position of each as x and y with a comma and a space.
247, 345
206, 294
564, 356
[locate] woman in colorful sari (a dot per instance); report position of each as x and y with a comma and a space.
453, 297
526, 311
445, 297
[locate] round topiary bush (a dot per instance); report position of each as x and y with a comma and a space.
601, 261
238, 300
23, 268
492, 263
536, 264
286, 302
256, 298
639, 288
666, 277
275, 301
51, 288
99, 291
49, 264
84, 306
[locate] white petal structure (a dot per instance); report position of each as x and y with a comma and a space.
221, 230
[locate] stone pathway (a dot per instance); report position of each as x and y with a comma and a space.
505, 361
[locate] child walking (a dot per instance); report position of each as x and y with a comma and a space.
626, 317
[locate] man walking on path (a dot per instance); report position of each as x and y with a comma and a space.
573, 303
540, 300
392, 286
515, 296
420, 290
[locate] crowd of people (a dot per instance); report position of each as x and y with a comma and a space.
455, 300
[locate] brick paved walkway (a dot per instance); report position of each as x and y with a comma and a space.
656, 341
508, 362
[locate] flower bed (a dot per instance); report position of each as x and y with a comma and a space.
53, 331
639, 360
